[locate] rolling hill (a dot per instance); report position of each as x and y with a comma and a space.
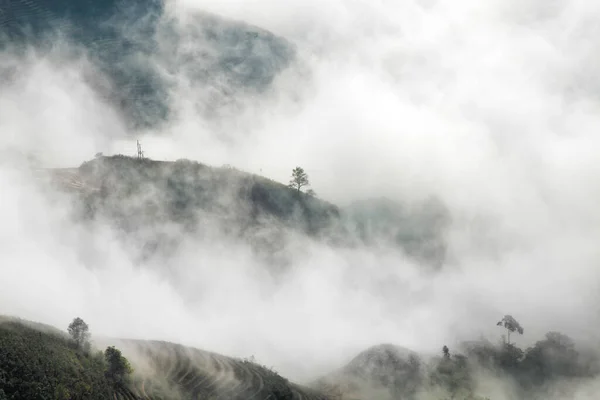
383, 372
143, 195
174, 371
39, 362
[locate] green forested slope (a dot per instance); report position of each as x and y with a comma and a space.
39, 362
36, 364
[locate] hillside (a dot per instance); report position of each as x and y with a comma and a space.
147, 196
173, 371
553, 368
418, 229
175, 190
384, 371
136, 49
39, 362
157, 205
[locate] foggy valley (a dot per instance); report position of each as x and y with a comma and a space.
335, 199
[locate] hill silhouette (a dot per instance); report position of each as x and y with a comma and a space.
136, 48
384, 371
418, 229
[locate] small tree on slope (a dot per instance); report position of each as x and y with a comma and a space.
299, 179
80, 333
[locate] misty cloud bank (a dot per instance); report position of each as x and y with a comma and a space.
492, 108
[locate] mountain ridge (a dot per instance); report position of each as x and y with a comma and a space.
141, 54
254, 207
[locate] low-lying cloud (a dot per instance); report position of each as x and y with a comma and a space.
491, 107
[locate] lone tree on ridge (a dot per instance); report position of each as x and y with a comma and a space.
299, 179
511, 325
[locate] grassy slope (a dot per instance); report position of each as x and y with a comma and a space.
147, 192
38, 362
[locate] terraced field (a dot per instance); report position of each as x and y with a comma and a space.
170, 371
39, 361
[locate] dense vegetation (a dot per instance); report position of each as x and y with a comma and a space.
389, 372
534, 370
44, 364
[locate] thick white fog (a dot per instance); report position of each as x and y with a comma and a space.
491, 106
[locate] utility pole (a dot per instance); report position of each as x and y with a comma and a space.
140, 153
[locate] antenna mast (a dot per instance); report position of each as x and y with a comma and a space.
140, 153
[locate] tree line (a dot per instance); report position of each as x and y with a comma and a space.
553, 358
117, 370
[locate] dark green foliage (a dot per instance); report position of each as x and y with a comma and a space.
118, 368
555, 356
43, 365
505, 357
509, 358
552, 359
